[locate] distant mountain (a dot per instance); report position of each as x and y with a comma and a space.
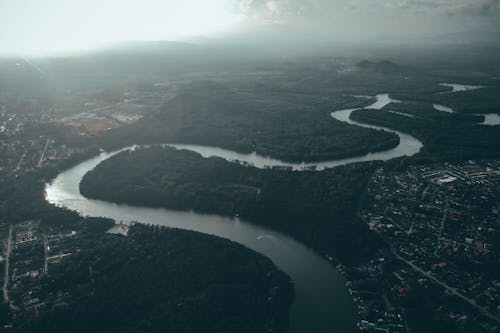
466, 37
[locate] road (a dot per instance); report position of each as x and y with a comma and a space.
472, 302
46, 254
8, 248
40, 162
441, 228
20, 162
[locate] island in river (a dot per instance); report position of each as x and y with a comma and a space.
317, 208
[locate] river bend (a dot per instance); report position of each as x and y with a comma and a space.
322, 302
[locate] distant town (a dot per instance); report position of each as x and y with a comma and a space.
33, 136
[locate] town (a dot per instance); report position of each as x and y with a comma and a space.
43, 131
441, 226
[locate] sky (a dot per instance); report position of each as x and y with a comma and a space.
36, 26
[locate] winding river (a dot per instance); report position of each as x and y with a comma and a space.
490, 119
408, 146
322, 302
456, 87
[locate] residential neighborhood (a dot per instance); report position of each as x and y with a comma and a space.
441, 226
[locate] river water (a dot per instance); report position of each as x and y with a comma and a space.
322, 302
490, 119
455, 87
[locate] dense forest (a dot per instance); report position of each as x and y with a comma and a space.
318, 208
484, 100
23, 197
293, 128
425, 110
166, 280
444, 137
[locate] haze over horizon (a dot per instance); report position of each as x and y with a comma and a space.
32, 27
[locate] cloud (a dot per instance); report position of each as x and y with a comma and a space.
274, 10
287, 9
347, 19
481, 8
